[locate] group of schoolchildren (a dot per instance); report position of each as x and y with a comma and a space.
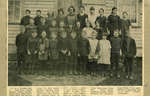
75, 44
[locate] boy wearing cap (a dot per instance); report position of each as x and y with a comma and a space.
32, 51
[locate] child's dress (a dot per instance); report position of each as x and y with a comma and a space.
104, 52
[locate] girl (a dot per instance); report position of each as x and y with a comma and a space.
88, 29
43, 51
104, 51
60, 17
101, 19
92, 56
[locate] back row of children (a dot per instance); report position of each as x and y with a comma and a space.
74, 44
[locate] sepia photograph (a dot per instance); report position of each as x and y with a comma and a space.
75, 42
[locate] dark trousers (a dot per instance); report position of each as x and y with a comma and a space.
128, 63
115, 58
63, 64
83, 64
53, 67
92, 65
73, 63
20, 61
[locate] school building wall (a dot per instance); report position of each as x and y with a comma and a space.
52, 6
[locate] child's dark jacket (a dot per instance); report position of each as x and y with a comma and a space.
25, 20
83, 46
116, 44
129, 47
33, 45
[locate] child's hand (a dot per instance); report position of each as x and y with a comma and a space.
69, 54
29, 53
35, 52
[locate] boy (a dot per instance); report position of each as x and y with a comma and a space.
43, 51
73, 48
26, 19
53, 53
38, 17
63, 52
32, 51
129, 53
82, 17
115, 53
92, 55
21, 47
84, 50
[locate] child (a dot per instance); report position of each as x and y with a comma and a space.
114, 22
99, 30
21, 47
42, 26
92, 16
101, 19
37, 19
78, 29
32, 51
60, 17
30, 27
73, 48
53, 53
43, 51
115, 53
26, 19
129, 53
63, 52
69, 29
82, 17
61, 27
88, 30
53, 27
125, 24
92, 56
71, 17
104, 51
84, 49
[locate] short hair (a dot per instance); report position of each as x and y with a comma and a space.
92, 8
38, 11
82, 7
28, 11
114, 8
61, 10
104, 34
125, 12
101, 9
72, 8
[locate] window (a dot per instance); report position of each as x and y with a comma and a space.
13, 11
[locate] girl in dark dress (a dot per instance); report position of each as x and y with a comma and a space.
82, 17
114, 22
101, 19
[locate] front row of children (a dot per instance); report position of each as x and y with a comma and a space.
72, 54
